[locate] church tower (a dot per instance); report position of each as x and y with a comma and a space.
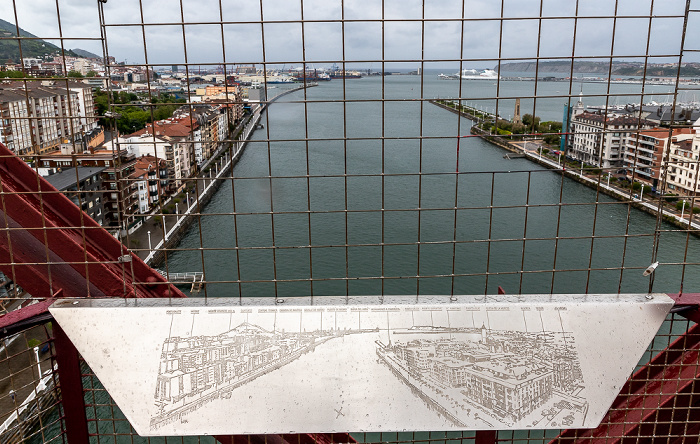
516, 113
579, 107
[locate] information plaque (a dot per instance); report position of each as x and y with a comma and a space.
352, 364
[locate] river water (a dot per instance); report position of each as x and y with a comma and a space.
484, 173
337, 270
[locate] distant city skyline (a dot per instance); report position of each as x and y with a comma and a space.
405, 36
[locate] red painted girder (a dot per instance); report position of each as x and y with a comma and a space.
686, 298
29, 316
42, 227
657, 401
70, 381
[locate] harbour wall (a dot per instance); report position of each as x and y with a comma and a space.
646, 206
175, 232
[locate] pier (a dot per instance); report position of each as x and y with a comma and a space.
196, 278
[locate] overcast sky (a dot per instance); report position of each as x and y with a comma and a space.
323, 34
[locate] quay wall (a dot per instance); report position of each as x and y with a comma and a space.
184, 221
175, 234
570, 173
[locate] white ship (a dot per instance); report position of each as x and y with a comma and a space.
472, 74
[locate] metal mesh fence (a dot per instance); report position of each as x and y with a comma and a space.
356, 148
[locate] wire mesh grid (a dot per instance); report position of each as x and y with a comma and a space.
393, 183
30, 396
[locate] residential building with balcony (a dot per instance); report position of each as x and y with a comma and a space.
600, 139
38, 117
151, 178
684, 163
207, 135
83, 186
174, 140
645, 152
120, 197
15, 127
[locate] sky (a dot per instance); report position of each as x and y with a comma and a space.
442, 40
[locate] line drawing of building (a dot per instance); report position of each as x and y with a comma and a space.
509, 374
494, 376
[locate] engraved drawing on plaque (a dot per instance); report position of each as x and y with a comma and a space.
495, 366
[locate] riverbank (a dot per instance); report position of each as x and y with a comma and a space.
650, 206
162, 232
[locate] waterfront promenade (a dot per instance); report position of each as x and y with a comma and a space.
151, 240
532, 150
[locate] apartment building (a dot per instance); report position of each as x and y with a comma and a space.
175, 141
645, 153
38, 117
151, 179
684, 163
600, 138
120, 196
207, 135
83, 186
15, 127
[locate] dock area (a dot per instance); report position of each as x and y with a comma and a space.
532, 148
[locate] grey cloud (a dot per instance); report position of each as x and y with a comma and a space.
362, 40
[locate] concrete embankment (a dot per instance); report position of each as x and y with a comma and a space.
216, 169
176, 225
648, 206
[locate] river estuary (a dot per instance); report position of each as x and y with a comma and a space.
401, 157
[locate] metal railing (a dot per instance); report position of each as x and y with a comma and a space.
393, 183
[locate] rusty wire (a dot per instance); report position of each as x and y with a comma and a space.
107, 423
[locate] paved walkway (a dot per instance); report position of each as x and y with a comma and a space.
531, 150
19, 373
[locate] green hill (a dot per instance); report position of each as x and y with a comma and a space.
9, 49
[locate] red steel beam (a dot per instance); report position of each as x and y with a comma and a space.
303, 438
49, 244
656, 403
18, 320
70, 381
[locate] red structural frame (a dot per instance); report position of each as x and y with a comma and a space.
43, 226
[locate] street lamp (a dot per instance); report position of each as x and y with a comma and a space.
38, 363
149, 241
682, 210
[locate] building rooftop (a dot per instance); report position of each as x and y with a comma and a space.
613, 120
67, 178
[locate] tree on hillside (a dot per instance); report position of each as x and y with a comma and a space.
13, 74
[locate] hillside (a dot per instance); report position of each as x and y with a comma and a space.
9, 49
618, 68
86, 54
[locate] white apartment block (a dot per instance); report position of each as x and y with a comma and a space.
15, 127
36, 119
600, 139
684, 163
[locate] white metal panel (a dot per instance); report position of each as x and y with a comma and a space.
337, 364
